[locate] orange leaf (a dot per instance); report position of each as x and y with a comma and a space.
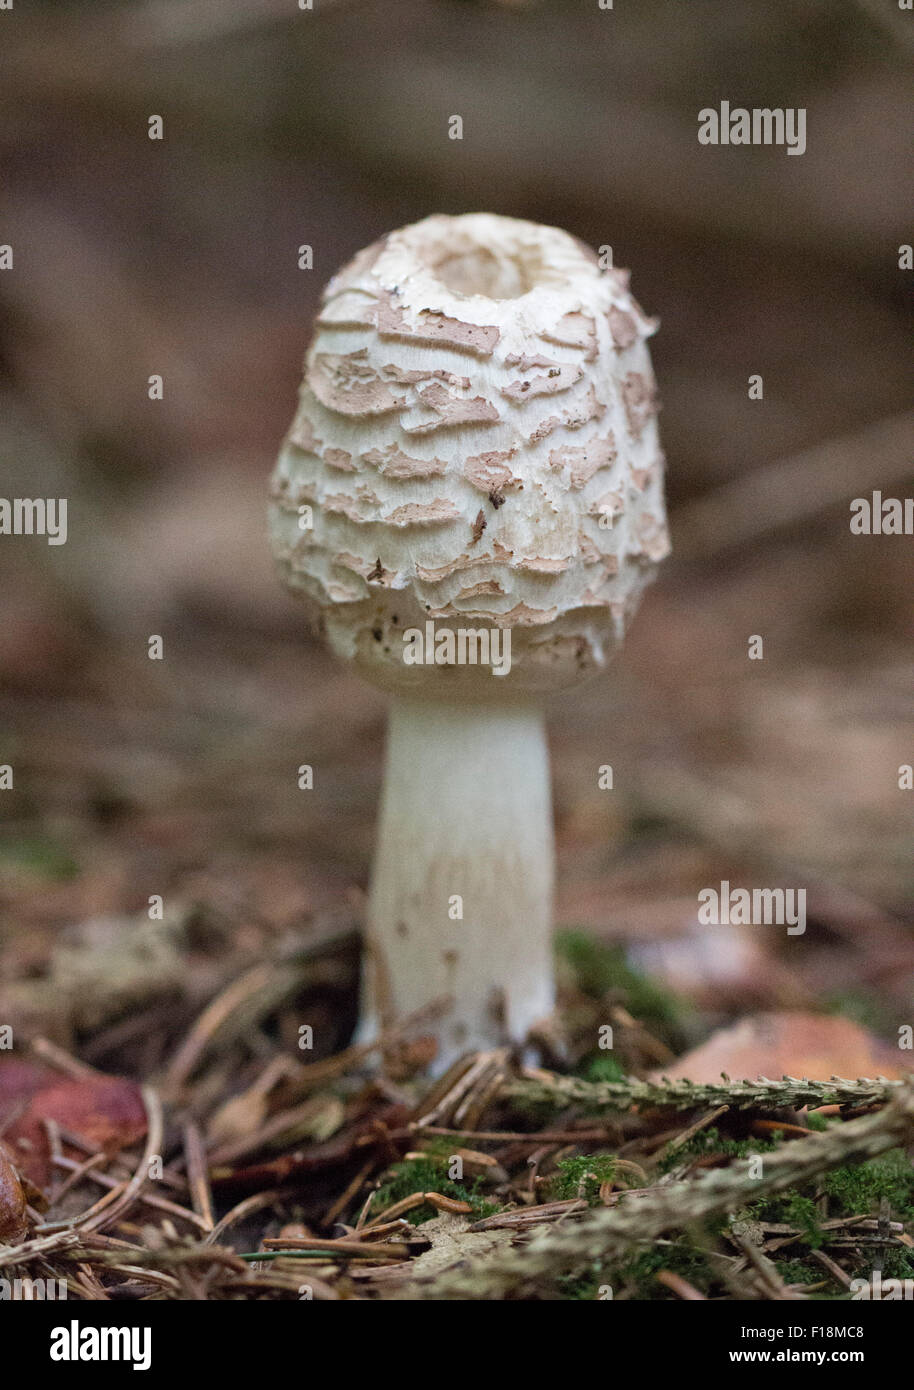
13, 1216
106, 1111
816, 1046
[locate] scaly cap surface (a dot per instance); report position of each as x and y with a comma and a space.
476, 439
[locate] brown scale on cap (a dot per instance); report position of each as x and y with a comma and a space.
475, 383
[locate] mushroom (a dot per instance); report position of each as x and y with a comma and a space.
470, 502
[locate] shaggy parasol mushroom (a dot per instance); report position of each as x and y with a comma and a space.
473, 468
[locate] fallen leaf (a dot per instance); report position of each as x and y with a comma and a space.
19, 1080
816, 1046
106, 1111
453, 1243
14, 1222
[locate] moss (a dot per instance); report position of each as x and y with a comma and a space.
684, 1258
855, 1190
801, 1212
587, 1285
859, 1189
791, 1208
39, 856
797, 1272
599, 970
711, 1141
535, 1112
582, 1177
428, 1174
600, 1066
897, 1264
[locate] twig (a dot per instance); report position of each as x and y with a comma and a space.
244, 1209
253, 982
349, 1192
675, 1144
833, 1268
405, 1204
789, 1093
510, 1136
125, 1199
56, 1057
197, 1177
680, 1287
77, 1172
87, 1170
316, 1073
280, 1280
765, 1268
44, 1245
605, 1234
345, 1249
525, 1217
459, 1083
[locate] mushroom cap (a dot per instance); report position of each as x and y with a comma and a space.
476, 447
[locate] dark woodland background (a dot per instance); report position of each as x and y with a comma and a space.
179, 257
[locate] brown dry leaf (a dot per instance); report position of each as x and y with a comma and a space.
319, 1119
788, 1044
452, 1243
19, 1080
13, 1217
106, 1111
239, 1115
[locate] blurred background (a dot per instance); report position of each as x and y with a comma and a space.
132, 257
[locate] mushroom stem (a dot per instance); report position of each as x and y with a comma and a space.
461, 894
